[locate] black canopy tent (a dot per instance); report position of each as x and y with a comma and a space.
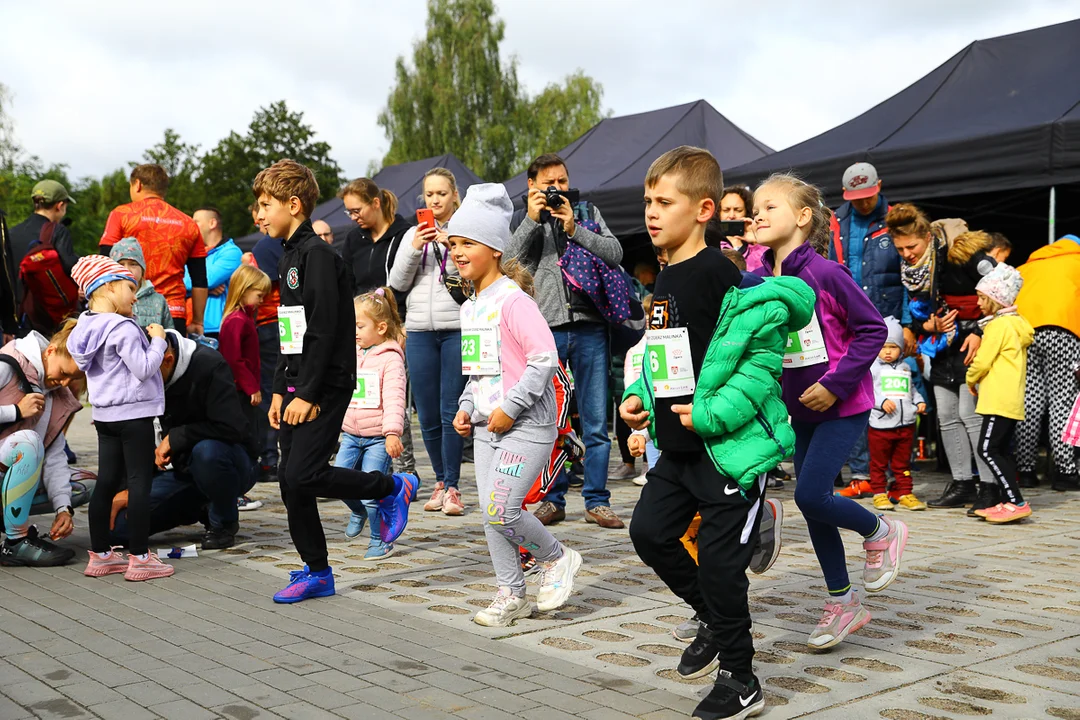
404, 180
608, 163
984, 136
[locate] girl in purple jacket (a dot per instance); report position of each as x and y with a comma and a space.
828, 391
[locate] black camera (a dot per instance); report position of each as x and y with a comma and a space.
554, 197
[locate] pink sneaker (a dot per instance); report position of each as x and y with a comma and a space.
147, 569
838, 621
438, 496
1006, 513
883, 557
452, 504
100, 567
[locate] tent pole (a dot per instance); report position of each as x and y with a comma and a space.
1053, 213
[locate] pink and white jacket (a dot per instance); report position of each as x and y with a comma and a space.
389, 418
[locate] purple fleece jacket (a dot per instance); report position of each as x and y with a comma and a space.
853, 331
122, 366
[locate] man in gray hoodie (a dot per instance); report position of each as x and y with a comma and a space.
540, 235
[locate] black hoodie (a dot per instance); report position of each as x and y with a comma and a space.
313, 276
369, 261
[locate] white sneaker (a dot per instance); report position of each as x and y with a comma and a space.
640, 480
557, 581
504, 610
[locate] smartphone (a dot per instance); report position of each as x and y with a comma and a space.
732, 227
424, 216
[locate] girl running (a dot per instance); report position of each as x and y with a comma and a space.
510, 356
828, 391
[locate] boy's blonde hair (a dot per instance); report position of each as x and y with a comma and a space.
801, 194
285, 179
244, 278
696, 173
381, 306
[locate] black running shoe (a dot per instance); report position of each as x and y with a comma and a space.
34, 551
220, 538
731, 700
700, 658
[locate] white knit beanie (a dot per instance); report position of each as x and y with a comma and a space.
484, 216
1002, 284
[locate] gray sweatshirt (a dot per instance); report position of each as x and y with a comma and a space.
552, 294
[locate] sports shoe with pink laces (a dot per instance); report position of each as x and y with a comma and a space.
883, 557
147, 569
838, 621
1005, 513
100, 567
438, 497
452, 504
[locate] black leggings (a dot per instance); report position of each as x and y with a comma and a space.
125, 453
994, 441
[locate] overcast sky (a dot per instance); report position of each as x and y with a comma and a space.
95, 84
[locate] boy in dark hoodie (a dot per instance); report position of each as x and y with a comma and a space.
314, 381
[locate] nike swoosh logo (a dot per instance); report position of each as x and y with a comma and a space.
730, 491
746, 701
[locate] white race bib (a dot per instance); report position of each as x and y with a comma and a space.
480, 350
366, 394
670, 363
292, 324
895, 383
806, 347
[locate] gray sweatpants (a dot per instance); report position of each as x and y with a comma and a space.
960, 428
506, 466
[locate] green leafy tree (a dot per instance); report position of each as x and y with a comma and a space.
227, 171
458, 96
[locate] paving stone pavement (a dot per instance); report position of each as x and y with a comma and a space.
984, 621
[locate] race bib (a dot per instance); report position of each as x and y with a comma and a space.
480, 350
366, 394
806, 347
670, 364
895, 384
635, 362
292, 324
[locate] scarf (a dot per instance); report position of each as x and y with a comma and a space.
1011, 310
918, 278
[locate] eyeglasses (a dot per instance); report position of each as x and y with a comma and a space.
354, 213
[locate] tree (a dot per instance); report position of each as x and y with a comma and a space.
227, 171
9, 149
458, 97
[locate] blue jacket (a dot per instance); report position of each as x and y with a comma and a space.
880, 261
221, 263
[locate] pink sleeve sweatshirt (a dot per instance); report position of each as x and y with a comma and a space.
389, 418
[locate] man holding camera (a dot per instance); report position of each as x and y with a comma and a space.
553, 217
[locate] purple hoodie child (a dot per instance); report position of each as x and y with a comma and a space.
122, 366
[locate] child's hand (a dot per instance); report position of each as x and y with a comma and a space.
274, 415
394, 448
462, 424
632, 411
636, 444
974, 390
818, 398
155, 331
256, 398
685, 415
300, 411
499, 422
889, 407
920, 408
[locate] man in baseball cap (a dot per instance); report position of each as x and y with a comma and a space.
51, 200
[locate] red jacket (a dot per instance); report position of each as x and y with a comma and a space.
238, 343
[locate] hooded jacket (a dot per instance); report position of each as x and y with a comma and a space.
1000, 366
737, 408
315, 278
419, 273
1050, 297
370, 261
853, 332
122, 366
221, 262
387, 359
907, 407
201, 403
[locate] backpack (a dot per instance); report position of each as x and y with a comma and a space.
49, 293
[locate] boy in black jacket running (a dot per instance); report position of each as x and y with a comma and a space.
315, 379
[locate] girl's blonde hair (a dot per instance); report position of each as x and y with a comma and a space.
517, 272
802, 194
369, 192
381, 306
449, 177
244, 278
97, 300
60, 337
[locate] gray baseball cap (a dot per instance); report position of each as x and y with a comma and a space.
860, 181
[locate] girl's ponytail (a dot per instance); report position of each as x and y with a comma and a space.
517, 272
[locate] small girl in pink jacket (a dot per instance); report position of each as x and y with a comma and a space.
374, 421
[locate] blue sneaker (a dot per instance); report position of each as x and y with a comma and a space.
379, 550
303, 585
394, 508
356, 524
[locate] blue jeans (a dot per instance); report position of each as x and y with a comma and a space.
435, 358
585, 348
367, 454
820, 449
266, 436
859, 458
218, 473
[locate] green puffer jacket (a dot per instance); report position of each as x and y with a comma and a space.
737, 407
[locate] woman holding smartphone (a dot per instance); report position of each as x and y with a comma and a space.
735, 204
433, 332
